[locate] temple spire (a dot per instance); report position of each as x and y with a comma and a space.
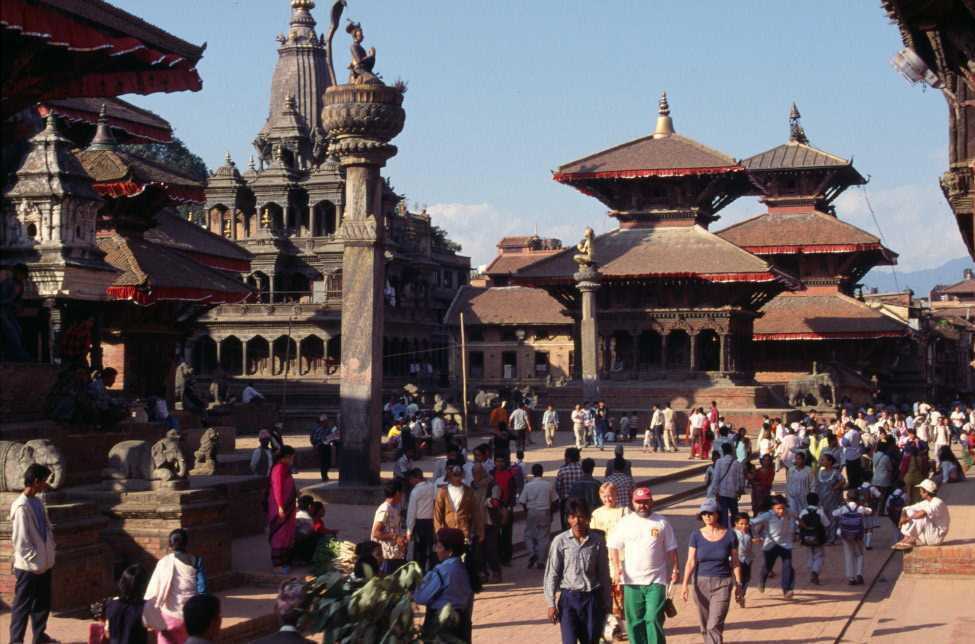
103, 139
665, 124
796, 133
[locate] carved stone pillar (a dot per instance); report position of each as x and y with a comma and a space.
55, 327
363, 118
243, 356
312, 222
663, 350
587, 281
693, 346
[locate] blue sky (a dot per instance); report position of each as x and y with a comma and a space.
502, 92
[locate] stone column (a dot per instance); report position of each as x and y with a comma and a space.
243, 356
362, 119
693, 347
723, 353
587, 281
636, 353
55, 327
663, 350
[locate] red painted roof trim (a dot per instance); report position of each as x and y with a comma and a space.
129, 188
151, 296
788, 249
569, 177
140, 130
839, 335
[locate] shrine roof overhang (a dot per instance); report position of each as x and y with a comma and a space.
120, 174
506, 305
88, 48
197, 242
805, 232
139, 124
824, 316
664, 252
151, 273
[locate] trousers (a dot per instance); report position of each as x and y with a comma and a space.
581, 616
423, 540
817, 555
538, 526
853, 557
713, 596
788, 572
727, 509
670, 440
644, 609
324, 459
550, 430
32, 598
580, 434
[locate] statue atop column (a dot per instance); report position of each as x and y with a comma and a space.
360, 69
584, 258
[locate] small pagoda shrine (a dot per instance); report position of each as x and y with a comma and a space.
673, 301
800, 233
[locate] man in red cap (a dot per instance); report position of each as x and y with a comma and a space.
649, 547
447, 584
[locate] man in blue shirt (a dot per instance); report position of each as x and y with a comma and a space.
447, 584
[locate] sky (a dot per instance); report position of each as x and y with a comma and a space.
502, 92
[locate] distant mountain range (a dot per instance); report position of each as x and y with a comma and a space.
921, 282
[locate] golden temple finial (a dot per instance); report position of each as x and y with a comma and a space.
665, 124
796, 133
303, 4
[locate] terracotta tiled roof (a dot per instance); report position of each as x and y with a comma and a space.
154, 270
121, 114
654, 155
174, 231
508, 263
777, 233
823, 317
793, 155
116, 172
506, 305
964, 286
679, 251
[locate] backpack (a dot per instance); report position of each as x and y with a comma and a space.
851, 525
812, 532
895, 503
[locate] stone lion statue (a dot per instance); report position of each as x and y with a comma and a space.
819, 386
135, 459
485, 399
206, 455
15, 458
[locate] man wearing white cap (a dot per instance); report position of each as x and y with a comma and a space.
925, 523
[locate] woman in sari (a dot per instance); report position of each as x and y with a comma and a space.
761, 482
176, 577
281, 510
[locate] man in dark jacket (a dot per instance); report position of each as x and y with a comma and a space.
289, 607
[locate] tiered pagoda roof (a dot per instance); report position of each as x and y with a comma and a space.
129, 122
506, 305
664, 176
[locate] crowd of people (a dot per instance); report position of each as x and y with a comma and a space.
615, 566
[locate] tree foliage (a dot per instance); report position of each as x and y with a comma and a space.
440, 238
173, 155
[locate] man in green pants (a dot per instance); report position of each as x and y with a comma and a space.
648, 547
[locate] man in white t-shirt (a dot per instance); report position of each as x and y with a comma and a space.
925, 523
648, 547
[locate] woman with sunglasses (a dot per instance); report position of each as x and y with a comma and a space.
712, 560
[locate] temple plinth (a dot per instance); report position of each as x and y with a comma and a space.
361, 120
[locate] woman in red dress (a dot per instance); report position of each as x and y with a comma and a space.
281, 510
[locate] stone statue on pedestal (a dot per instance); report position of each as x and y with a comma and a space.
135, 464
206, 455
15, 458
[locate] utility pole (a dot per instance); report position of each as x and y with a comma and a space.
463, 368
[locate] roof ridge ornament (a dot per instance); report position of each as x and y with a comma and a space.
103, 139
665, 124
796, 133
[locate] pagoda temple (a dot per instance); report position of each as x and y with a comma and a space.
675, 302
801, 234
